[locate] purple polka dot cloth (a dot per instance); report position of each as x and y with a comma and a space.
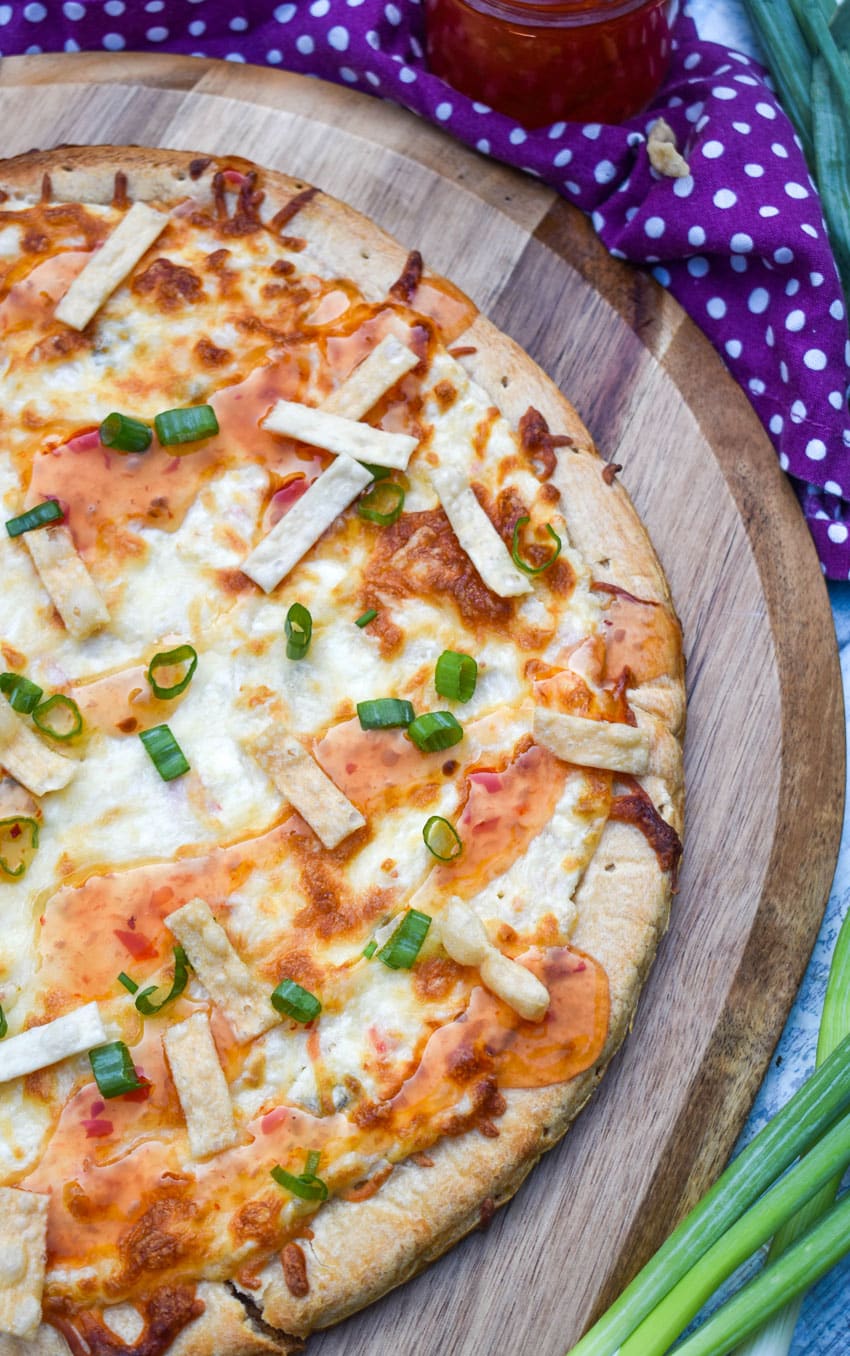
740, 241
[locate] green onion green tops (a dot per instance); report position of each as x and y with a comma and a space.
185, 426
23, 695
172, 659
523, 564
306, 1185
299, 631
384, 713
145, 1005
113, 1069
435, 730
456, 675
129, 984
292, 1001
124, 434
4, 1025
370, 948
404, 945
166, 754
59, 717
383, 504
47, 512
18, 844
442, 839
366, 617
376, 472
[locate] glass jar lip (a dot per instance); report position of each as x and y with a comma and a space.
560, 13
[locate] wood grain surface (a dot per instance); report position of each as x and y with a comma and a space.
765, 752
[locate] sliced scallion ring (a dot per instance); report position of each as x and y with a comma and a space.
383, 504
59, 717
15, 852
47, 512
23, 695
129, 984
299, 631
368, 616
167, 659
4, 1025
384, 713
435, 730
376, 472
306, 1185
166, 754
181, 976
123, 434
523, 564
404, 945
456, 675
442, 839
292, 1001
113, 1069
185, 426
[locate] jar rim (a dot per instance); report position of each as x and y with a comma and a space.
560, 13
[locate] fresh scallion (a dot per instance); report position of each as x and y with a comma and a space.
376, 472
523, 564
15, 855
370, 948
456, 675
44, 513
185, 426
298, 628
291, 1000
383, 504
123, 434
166, 754
59, 717
442, 839
366, 617
404, 945
790, 61
306, 1185
23, 695
113, 1069
129, 984
384, 713
146, 1006
4, 1025
168, 659
435, 730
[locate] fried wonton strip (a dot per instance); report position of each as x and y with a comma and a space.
69, 584
386, 364
465, 939
244, 1001
477, 535
41, 1046
109, 265
592, 743
346, 437
298, 777
291, 538
201, 1085
27, 759
23, 1249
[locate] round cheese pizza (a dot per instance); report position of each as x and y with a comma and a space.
341, 712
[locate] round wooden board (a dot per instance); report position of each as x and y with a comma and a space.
765, 753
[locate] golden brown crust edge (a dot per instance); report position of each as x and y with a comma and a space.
622, 913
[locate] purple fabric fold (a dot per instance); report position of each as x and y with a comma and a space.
740, 241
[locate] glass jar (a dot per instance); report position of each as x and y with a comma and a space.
541, 61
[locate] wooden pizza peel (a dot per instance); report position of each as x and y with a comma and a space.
765, 750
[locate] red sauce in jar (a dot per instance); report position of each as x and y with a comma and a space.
543, 60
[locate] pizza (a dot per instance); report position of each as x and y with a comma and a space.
341, 719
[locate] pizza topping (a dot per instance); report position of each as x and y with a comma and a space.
39, 516
41, 1046
28, 760
523, 564
58, 716
165, 753
404, 945
113, 1069
291, 538
384, 713
18, 845
164, 663
201, 1085
377, 374
442, 839
476, 534
306, 1185
23, 1249
144, 1002
539, 444
592, 743
124, 434
299, 778
23, 695
346, 437
456, 675
69, 585
175, 427
465, 939
109, 266
383, 504
435, 730
223, 973
366, 617
298, 629
291, 1000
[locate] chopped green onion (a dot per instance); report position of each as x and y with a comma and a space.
435, 730
299, 631
456, 675
404, 945
167, 756
70, 720
23, 695
313, 1160
442, 839
113, 1069
124, 434
129, 984
523, 564
40, 516
4, 1025
184, 654
292, 1001
11, 830
306, 1185
185, 426
384, 713
368, 616
376, 472
181, 977
370, 948
383, 504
